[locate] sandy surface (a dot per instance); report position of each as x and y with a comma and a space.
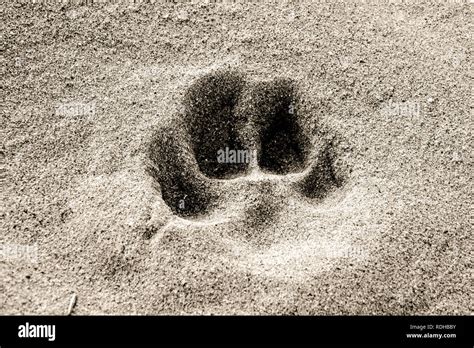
377, 218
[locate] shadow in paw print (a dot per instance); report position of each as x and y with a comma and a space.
184, 189
213, 124
320, 177
282, 141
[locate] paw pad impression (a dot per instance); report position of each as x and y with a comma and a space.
233, 130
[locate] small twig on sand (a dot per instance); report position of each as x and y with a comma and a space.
72, 303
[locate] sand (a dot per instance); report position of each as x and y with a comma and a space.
111, 116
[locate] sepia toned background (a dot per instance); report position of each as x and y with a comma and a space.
86, 86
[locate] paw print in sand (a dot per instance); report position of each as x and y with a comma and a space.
237, 138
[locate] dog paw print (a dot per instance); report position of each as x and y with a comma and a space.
236, 132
